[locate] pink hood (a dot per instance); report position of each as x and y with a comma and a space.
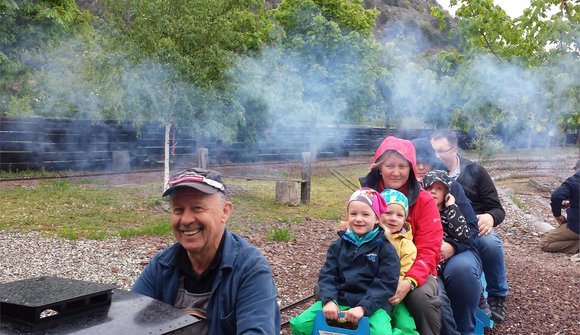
403, 147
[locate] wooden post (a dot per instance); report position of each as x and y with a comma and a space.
287, 193
121, 161
306, 177
202, 158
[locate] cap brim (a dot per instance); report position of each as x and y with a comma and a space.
198, 186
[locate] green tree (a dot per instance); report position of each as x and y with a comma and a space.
322, 70
335, 55
26, 28
535, 47
199, 38
189, 47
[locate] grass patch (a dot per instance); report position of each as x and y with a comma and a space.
257, 205
281, 235
519, 203
86, 208
15, 173
161, 228
76, 209
92, 208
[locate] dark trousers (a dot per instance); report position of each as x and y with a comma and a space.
461, 277
425, 307
448, 326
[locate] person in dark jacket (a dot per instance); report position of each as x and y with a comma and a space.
361, 270
394, 166
210, 272
455, 228
463, 265
565, 237
481, 191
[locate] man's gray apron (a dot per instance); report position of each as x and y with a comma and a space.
195, 304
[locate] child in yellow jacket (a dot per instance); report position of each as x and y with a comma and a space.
398, 232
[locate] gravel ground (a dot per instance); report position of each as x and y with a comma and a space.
544, 294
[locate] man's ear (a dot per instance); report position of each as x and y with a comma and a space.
228, 209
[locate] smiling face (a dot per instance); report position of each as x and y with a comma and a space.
395, 170
394, 218
360, 217
198, 220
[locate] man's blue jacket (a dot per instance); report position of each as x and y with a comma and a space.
243, 298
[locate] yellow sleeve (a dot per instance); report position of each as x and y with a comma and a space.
407, 255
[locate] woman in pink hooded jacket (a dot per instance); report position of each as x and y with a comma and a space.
394, 166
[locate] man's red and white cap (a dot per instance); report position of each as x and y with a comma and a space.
206, 181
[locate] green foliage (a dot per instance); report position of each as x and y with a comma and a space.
19, 107
238, 69
25, 27
298, 16
518, 202
199, 38
543, 49
485, 144
281, 235
322, 70
533, 38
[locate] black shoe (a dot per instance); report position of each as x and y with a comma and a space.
497, 308
484, 306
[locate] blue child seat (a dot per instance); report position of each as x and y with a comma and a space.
322, 328
482, 320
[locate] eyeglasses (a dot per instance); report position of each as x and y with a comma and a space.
444, 151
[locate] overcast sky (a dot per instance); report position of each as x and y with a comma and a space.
513, 8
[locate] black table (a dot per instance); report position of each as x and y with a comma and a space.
127, 313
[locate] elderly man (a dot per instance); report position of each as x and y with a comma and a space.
481, 191
212, 273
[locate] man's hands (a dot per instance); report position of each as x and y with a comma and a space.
447, 250
561, 219
485, 224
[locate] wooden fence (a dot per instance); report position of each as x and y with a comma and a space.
74, 144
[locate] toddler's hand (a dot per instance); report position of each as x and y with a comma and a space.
449, 200
330, 311
354, 314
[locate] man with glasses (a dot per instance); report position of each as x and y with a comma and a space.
480, 190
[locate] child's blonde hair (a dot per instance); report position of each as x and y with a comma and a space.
388, 234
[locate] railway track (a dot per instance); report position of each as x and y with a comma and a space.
224, 167
290, 307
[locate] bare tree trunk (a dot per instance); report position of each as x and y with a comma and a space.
166, 154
